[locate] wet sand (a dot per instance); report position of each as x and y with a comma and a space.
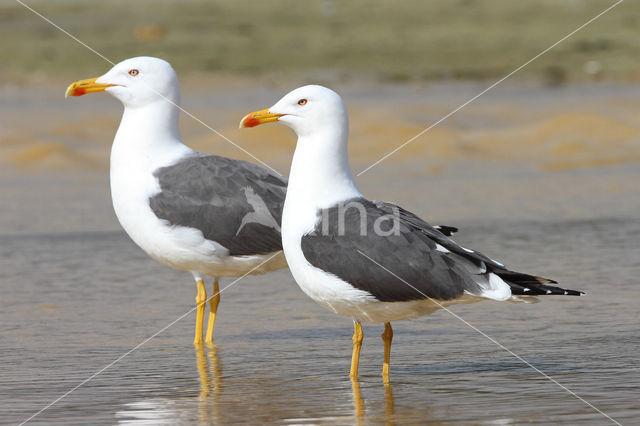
543, 180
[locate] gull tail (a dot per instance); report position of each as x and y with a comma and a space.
530, 285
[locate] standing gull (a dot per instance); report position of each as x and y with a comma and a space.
370, 261
205, 214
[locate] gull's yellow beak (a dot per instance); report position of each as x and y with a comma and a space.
82, 87
254, 119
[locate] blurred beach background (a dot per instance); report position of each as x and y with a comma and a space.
541, 172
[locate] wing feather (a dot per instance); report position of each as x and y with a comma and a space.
232, 202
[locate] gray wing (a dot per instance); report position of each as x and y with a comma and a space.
391, 208
434, 265
437, 235
359, 226
234, 203
520, 283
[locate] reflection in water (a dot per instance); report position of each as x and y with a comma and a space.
211, 383
358, 402
269, 379
203, 371
359, 406
388, 407
168, 411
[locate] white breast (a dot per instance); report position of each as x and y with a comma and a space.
326, 289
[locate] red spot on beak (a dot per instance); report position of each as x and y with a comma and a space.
256, 118
250, 121
79, 92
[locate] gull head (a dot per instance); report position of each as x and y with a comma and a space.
307, 110
136, 82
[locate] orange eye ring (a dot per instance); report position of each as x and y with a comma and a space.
302, 102
134, 72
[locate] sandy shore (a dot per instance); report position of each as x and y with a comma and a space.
518, 151
548, 129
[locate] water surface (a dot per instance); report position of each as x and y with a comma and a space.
76, 293
74, 302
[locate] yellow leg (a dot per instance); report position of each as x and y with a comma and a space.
213, 308
387, 336
201, 299
357, 344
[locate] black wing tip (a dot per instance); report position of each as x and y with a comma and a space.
567, 292
446, 230
543, 290
531, 285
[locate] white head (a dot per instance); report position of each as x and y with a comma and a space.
320, 173
308, 110
136, 82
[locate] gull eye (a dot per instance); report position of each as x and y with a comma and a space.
302, 102
134, 72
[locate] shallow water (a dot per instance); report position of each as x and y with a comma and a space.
77, 294
73, 302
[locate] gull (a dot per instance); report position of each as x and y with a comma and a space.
205, 214
370, 261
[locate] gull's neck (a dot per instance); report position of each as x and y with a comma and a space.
147, 140
148, 136
320, 175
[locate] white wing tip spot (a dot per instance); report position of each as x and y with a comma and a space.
441, 248
498, 263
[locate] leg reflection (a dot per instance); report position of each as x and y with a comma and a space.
388, 407
211, 385
203, 371
358, 402
215, 368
